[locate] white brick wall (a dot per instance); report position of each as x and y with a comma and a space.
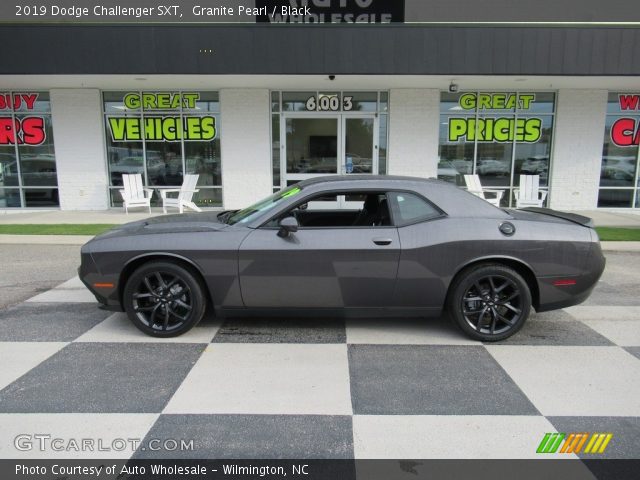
413, 132
78, 134
245, 144
577, 150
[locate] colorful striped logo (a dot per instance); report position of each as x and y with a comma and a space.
573, 442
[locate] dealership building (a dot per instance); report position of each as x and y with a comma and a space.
254, 107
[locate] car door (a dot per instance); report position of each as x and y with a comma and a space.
329, 266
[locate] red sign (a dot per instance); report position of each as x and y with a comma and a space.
25, 130
625, 132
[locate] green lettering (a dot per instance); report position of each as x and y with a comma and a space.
116, 126
133, 129
208, 126
163, 101
472, 129
484, 101
457, 128
468, 101
502, 130
526, 100
148, 101
533, 130
189, 100
483, 129
499, 101
132, 101
169, 129
193, 128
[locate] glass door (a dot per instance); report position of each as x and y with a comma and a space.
360, 150
311, 146
314, 146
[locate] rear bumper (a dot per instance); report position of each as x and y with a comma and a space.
553, 297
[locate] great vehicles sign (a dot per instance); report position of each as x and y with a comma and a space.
162, 127
492, 125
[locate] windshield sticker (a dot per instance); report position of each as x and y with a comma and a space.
291, 192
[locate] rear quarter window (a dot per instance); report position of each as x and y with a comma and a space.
410, 208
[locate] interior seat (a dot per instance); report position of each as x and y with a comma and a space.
374, 212
384, 218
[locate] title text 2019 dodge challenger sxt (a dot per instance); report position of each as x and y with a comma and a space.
361, 245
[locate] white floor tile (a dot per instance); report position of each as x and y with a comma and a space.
72, 283
17, 358
574, 381
604, 313
391, 331
118, 328
625, 333
468, 436
267, 379
55, 295
112, 430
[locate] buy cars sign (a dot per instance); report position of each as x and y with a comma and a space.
23, 129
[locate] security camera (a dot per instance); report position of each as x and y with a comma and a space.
453, 87
332, 77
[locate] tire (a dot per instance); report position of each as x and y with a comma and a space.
164, 298
489, 302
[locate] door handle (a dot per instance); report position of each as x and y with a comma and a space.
382, 241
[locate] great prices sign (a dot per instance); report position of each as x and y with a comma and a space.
162, 128
23, 128
625, 131
494, 127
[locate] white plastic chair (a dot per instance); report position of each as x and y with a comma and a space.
134, 194
529, 193
474, 186
185, 194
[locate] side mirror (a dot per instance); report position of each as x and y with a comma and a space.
288, 225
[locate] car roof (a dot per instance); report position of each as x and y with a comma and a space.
363, 177
454, 201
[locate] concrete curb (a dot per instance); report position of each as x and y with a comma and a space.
45, 239
620, 246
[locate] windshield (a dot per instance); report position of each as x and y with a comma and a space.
248, 214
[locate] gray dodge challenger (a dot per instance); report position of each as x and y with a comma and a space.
357, 245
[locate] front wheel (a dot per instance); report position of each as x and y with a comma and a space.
489, 302
164, 299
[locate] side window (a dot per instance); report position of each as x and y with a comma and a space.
340, 209
410, 208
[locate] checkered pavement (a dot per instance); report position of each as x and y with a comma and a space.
317, 388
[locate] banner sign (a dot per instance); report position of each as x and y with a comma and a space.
21, 129
625, 131
280, 12
330, 11
495, 128
162, 128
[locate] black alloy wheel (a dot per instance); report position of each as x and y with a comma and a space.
490, 302
164, 299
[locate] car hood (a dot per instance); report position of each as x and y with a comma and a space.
190, 222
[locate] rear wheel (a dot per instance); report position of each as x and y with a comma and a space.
164, 299
489, 302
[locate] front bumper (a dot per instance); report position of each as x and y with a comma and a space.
104, 288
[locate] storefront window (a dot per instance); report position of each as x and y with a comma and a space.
496, 135
28, 175
619, 169
164, 135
